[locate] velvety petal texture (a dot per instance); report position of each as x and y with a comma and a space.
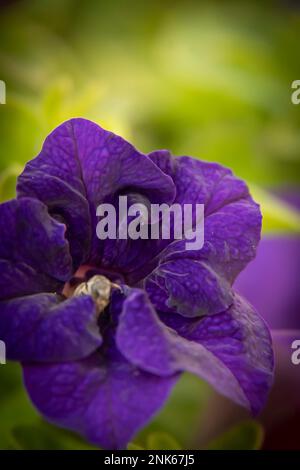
241, 341
189, 287
46, 328
82, 165
231, 350
34, 253
198, 282
100, 356
105, 398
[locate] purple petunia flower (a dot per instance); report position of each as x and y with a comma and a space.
170, 310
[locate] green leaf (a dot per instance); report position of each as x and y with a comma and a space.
133, 446
8, 182
30, 437
247, 435
181, 414
278, 216
162, 441
20, 426
43, 436
15, 407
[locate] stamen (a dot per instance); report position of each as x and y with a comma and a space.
99, 287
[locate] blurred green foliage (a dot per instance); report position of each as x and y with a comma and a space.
247, 435
207, 79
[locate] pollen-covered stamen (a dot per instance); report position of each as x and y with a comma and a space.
99, 287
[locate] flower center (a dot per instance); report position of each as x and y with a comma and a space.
98, 287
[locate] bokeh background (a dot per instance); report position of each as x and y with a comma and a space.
208, 79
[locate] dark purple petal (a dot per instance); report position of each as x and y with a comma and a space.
45, 328
34, 254
80, 166
144, 340
189, 287
201, 182
164, 160
231, 236
198, 282
241, 365
124, 254
231, 350
104, 397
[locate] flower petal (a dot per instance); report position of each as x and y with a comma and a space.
34, 254
231, 350
239, 344
44, 328
104, 397
143, 339
232, 225
201, 182
79, 167
189, 287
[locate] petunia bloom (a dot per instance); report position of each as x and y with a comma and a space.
170, 310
